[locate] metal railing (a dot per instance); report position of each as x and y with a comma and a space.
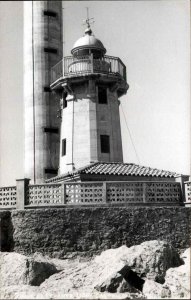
80, 193
74, 66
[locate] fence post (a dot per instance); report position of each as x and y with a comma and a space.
63, 193
144, 192
22, 189
181, 179
187, 186
104, 189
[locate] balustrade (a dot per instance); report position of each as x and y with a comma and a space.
80, 193
72, 66
44, 194
8, 197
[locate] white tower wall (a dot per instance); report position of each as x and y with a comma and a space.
83, 121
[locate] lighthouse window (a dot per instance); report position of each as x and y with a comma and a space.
51, 129
47, 89
105, 145
102, 95
50, 13
51, 50
63, 147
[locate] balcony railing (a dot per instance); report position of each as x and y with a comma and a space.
75, 66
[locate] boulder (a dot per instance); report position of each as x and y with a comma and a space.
123, 281
177, 280
18, 269
155, 290
116, 284
148, 260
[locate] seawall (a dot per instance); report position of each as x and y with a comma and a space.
60, 231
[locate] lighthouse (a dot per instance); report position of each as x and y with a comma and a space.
89, 84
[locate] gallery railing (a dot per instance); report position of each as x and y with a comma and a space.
74, 66
87, 193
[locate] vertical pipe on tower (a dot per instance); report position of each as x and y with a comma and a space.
42, 50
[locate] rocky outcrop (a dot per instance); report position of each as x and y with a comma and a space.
177, 280
122, 273
117, 270
148, 260
17, 269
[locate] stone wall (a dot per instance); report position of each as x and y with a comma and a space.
64, 230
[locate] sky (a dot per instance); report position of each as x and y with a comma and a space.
152, 38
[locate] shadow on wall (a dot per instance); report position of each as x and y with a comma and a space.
6, 232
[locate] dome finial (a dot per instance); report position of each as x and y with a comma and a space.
88, 22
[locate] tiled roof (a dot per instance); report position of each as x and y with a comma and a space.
127, 169
115, 168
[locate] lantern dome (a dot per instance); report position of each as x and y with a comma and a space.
88, 44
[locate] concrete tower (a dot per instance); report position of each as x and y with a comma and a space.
42, 50
90, 84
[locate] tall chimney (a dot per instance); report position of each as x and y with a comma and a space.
42, 50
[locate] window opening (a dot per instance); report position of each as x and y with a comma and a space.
63, 147
51, 50
50, 13
102, 95
105, 144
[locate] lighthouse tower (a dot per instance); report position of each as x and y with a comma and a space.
42, 50
90, 84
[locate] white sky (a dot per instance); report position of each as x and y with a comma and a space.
153, 40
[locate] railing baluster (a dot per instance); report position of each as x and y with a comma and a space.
70, 65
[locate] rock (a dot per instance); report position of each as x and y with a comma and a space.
185, 256
114, 284
155, 290
18, 269
115, 270
20, 292
177, 280
31, 292
148, 260
122, 273
123, 281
